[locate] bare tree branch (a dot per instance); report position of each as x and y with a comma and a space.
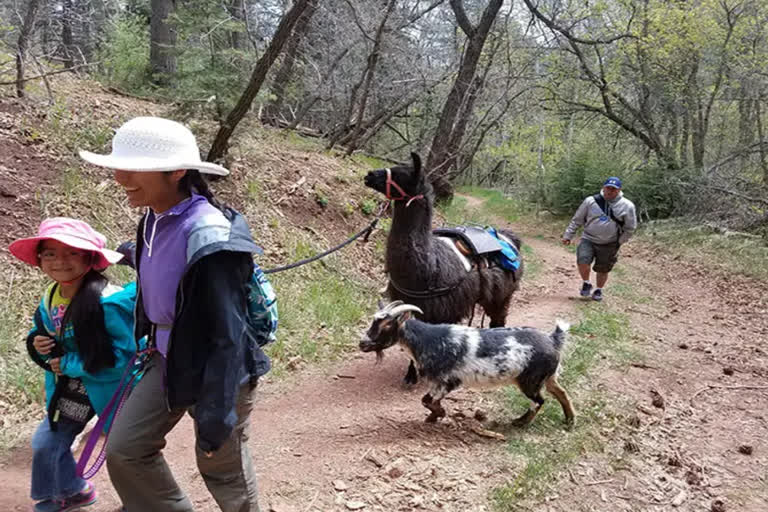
462, 19
359, 23
550, 23
416, 17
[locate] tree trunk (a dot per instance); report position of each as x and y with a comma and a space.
455, 143
684, 137
99, 21
236, 9
87, 33
698, 135
746, 119
761, 139
308, 103
438, 163
284, 73
22, 45
284, 29
370, 72
67, 40
162, 38
376, 123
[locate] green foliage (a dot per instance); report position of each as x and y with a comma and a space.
71, 130
207, 65
495, 207
370, 162
456, 211
368, 206
19, 378
579, 176
254, 190
496, 203
321, 198
124, 55
321, 315
655, 192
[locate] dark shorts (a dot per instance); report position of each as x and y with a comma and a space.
604, 255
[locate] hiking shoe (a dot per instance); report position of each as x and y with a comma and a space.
46, 506
586, 288
598, 295
83, 499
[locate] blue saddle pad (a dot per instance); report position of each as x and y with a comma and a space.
508, 257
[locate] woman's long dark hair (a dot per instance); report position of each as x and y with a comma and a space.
86, 314
193, 181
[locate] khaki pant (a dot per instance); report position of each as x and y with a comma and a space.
138, 469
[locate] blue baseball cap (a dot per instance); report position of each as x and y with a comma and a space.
613, 181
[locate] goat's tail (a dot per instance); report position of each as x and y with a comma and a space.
558, 335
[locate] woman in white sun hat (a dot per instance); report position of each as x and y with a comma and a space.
194, 260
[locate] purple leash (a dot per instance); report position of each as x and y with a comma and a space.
115, 403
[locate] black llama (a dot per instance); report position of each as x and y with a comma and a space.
429, 274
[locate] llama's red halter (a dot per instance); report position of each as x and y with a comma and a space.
403, 195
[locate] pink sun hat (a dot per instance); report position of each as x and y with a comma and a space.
72, 232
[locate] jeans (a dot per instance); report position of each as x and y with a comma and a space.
53, 465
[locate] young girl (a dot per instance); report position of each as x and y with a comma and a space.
194, 260
83, 338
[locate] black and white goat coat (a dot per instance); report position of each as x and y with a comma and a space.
450, 356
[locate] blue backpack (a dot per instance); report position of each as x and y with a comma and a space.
262, 307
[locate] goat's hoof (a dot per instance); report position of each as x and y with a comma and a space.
570, 423
432, 418
524, 420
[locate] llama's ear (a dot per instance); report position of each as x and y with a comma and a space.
416, 165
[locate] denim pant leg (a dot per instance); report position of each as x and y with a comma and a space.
53, 465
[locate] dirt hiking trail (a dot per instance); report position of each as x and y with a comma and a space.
348, 437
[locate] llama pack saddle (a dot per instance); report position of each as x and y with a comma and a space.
470, 240
477, 246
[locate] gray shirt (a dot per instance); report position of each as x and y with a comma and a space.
598, 227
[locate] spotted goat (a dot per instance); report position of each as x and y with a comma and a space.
450, 356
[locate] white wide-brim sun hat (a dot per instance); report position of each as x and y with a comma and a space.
153, 144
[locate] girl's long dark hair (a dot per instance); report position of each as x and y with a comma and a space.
86, 314
193, 181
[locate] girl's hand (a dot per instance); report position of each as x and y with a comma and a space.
55, 365
43, 344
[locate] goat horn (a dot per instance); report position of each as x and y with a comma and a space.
391, 305
403, 308
383, 311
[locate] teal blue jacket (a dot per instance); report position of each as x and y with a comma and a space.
118, 304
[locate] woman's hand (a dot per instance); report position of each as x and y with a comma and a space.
43, 344
55, 365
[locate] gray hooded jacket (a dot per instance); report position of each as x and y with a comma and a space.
598, 227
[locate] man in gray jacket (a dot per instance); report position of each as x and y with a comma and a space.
609, 221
